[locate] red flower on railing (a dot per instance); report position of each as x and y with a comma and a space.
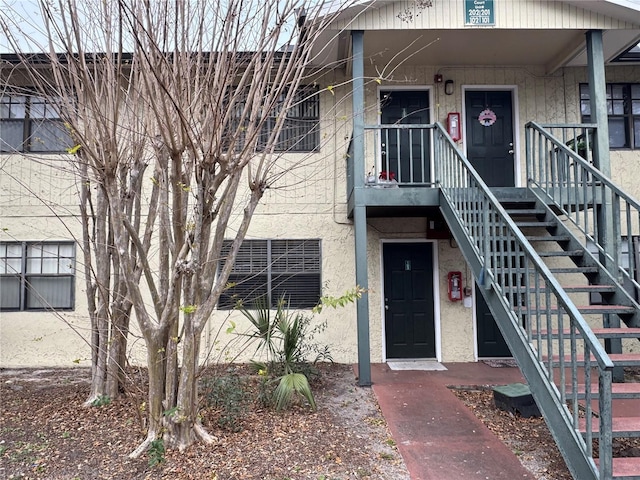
385, 176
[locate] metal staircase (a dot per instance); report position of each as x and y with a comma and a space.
551, 273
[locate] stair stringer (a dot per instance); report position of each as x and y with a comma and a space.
555, 412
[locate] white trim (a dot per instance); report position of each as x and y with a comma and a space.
515, 108
436, 292
418, 88
475, 321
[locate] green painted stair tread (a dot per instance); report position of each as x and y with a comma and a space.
534, 224
561, 253
548, 238
593, 269
620, 359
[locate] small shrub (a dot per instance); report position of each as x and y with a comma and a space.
156, 452
228, 395
287, 340
101, 401
264, 396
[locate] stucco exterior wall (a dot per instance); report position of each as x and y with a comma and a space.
39, 202
308, 201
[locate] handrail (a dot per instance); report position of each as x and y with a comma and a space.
516, 277
581, 192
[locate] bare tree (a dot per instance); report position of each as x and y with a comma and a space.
194, 95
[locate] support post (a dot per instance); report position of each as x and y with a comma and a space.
602, 161
360, 211
598, 96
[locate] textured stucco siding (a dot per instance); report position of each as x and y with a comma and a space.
39, 202
307, 201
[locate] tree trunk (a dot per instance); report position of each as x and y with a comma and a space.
155, 341
118, 348
183, 428
100, 318
172, 370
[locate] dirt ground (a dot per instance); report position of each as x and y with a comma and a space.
45, 433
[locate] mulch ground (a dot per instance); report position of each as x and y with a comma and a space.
46, 433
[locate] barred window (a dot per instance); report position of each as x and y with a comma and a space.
30, 123
274, 269
300, 131
37, 276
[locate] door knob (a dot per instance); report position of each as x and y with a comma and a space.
510, 152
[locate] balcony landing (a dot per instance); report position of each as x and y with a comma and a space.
413, 201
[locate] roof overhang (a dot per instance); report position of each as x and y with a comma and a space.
548, 48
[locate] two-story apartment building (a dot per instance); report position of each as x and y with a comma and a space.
426, 183
482, 72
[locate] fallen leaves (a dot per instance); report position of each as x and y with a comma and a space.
528, 438
346, 438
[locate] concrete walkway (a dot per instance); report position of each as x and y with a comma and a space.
438, 437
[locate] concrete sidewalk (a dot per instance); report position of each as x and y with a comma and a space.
438, 437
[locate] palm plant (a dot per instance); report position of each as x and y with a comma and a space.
281, 337
286, 340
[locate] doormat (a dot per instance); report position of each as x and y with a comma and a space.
426, 365
501, 362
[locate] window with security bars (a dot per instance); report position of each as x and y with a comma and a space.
623, 110
37, 276
300, 131
30, 123
272, 270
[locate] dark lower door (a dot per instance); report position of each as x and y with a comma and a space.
491, 343
405, 153
489, 131
408, 300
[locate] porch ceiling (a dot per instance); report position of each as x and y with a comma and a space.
551, 49
469, 47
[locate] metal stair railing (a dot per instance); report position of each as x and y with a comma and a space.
526, 300
556, 173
